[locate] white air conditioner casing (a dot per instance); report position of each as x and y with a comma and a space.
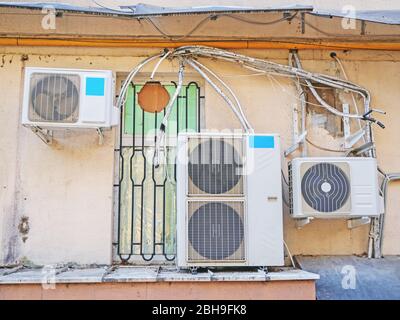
344, 187
229, 205
69, 98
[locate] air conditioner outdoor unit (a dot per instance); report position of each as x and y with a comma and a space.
334, 188
69, 98
229, 205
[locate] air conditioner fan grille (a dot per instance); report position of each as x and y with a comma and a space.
54, 97
325, 187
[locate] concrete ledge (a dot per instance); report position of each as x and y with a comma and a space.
144, 274
154, 283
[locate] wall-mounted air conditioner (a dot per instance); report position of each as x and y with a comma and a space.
69, 98
334, 188
229, 205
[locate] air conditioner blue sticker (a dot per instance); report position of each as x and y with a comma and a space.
262, 142
95, 86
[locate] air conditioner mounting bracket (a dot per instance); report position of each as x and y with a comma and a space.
45, 135
301, 222
357, 222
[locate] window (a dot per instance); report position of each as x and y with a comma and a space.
146, 196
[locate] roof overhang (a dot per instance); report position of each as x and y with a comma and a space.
144, 10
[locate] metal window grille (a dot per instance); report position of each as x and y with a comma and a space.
145, 222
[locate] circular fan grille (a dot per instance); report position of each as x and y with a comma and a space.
54, 97
214, 166
215, 231
325, 187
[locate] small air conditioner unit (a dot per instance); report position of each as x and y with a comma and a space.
69, 98
229, 205
343, 187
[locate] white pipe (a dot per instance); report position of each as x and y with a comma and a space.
165, 56
161, 132
129, 78
220, 92
239, 106
319, 98
271, 67
352, 95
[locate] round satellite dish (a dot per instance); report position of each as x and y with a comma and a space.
55, 98
325, 187
153, 97
216, 231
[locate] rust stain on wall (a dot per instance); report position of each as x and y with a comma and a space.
23, 227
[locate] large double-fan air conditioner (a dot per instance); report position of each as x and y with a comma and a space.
229, 201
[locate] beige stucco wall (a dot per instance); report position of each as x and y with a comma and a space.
66, 189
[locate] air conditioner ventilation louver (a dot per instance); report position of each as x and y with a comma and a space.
216, 231
215, 166
54, 97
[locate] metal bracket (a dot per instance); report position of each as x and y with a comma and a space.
361, 149
45, 135
346, 124
296, 145
297, 140
101, 135
303, 22
357, 222
193, 270
350, 139
264, 271
363, 27
301, 222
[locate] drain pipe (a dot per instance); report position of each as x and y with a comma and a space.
389, 177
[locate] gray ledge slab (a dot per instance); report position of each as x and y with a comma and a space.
26, 276
132, 274
92, 275
149, 274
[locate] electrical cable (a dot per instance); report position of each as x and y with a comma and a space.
262, 23
165, 56
164, 123
388, 177
274, 68
320, 99
336, 58
238, 105
108, 8
284, 178
220, 92
303, 108
289, 254
329, 34
284, 199
196, 27
213, 17
129, 78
